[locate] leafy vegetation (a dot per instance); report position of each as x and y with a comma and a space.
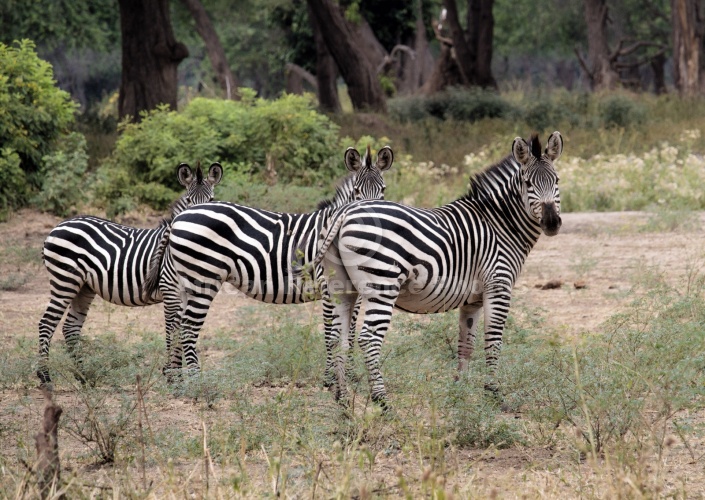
33, 114
283, 140
613, 400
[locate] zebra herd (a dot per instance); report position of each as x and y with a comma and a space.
361, 251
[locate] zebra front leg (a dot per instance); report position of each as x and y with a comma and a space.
75, 318
467, 320
496, 303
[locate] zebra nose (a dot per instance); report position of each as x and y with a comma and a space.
550, 219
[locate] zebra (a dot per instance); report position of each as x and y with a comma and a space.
250, 248
88, 256
464, 255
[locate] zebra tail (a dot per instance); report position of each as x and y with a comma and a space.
328, 239
151, 282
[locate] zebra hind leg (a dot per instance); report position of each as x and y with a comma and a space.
78, 310
47, 326
172, 320
379, 314
350, 372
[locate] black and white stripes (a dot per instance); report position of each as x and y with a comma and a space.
88, 256
249, 248
467, 255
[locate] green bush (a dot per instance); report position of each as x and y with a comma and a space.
617, 111
280, 140
33, 111
13, 184
63, 176
468, 105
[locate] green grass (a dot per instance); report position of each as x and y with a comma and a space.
622, 392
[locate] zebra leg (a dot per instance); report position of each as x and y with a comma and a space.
75, 318
172, 321
329, 317
350, 374
329, 313
378, 313
196, 299
339, 343
47, 326
467, 319
496, 303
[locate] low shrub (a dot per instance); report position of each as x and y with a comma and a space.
280, 140
63, 177
452, 104
618, 110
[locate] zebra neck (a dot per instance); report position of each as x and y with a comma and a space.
503, 208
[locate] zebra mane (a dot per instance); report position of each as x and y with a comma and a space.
343, 194
488, 178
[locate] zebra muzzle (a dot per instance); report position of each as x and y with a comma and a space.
550, 219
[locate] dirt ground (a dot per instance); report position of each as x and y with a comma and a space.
597, 257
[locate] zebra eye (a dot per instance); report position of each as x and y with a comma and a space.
528, 182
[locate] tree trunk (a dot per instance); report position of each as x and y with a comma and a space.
600, 71
363, 85
483, 51
150, 57
417, 71
657, 66
687, 21
226, 79
473, 46
326, 71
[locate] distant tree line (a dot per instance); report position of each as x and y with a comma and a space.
379, 49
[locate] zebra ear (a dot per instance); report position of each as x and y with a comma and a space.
521, 151
554, 146
215, 173
353, 162
385, 158
185, 174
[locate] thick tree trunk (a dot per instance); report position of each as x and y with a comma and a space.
687, 21
363, 85
226, 79
600, 71
150, 57
473, 46
485, 34
417, 71
445, 74
326, 71
657, 66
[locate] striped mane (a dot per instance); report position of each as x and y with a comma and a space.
487, 179
343, 194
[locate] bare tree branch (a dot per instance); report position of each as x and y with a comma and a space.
640, 62
305, 75
583, 63
388, 59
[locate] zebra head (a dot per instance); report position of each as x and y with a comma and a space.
198, 189
369, 183
540, 180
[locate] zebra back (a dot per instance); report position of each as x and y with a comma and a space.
364, 180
